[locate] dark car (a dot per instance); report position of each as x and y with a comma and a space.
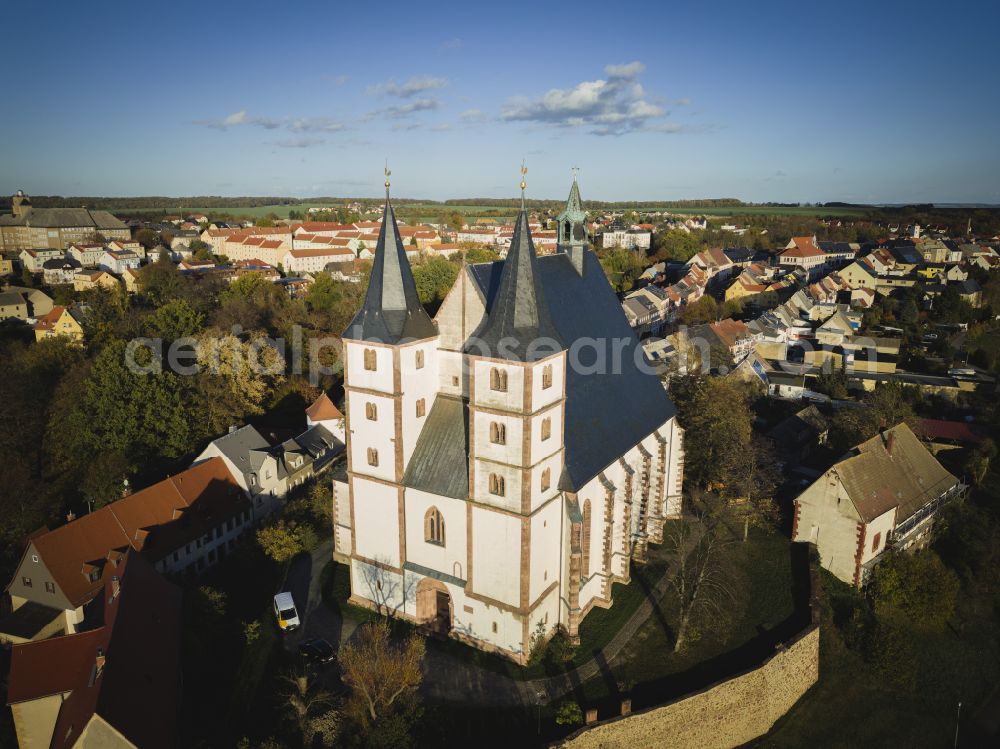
316, 650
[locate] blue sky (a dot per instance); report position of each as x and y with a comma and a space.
868, 102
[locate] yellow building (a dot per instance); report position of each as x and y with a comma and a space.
131, 278
89, 279
859, 275
60, 321
30, 228
6, 266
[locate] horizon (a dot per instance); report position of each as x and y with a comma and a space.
777, 104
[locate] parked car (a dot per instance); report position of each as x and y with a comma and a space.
284, 609
316, 650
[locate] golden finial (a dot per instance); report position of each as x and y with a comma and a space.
387, 174
524, 170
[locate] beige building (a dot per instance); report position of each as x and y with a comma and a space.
60, 321
55, 228
88, 279
883, 495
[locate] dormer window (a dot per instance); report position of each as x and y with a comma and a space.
498, 380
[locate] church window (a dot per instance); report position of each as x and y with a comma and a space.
546, 376
370, 359
498, 433
546, 479
566, 231
585, 540
420, 359
421, 408
372, 456
371, 411
876, 541
546, 428
497, 485
434, 527
498, 380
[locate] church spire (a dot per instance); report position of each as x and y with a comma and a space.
519, 315
391, 311
571, 226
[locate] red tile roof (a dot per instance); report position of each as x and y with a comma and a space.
322, 409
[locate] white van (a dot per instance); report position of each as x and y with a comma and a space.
284, 609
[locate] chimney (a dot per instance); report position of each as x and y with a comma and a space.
70, 516
232, 428
116, 587
890, 442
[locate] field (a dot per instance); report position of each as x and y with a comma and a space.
281, 211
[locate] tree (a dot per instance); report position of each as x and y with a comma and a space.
434, 278
569, 714
281, 541
147, 238
159, 281
915, 588
701, 581
310, 708
715, 414
884, 407
173, 320
379, 672
105, 477
978, 463
622, 267
703, 310
753, 476
675, 244
456, 221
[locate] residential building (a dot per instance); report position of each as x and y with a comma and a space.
6, 266
627, 239
87, 255
64, 321
60, 271
28, 227
885, 494
118, 261
324, 413
34, 260
493, 492
13, 305
313, 261
115, 685
39, 303
88, 279
803, 252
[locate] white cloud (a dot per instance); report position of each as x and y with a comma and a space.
614, 105
298, 125
405, 110
240, 118
315, 125
412, 87
303, 142
473, 115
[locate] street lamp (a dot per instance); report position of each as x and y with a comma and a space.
958, 717
541, 699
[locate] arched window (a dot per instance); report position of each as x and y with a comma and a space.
370, 359
497, 484
566, 231
546, 428
546, 479
585, 540
434, 527
371, 411
498, 380
421, 408
498, 433
546, 376
420, 359
372, 456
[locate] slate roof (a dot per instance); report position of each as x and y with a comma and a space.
607, 413
392, 311
136, 691
440, 460
906, 478
519, 315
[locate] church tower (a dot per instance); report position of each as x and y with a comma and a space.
571, 227
390, 383
517, 393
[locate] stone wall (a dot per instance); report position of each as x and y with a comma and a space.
729, 714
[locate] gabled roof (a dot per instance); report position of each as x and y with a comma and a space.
391, 311
804, 247
323, 409
440, 460
519, 315
892, 470
90, 539
125, 671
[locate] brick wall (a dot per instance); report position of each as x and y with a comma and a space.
726, 715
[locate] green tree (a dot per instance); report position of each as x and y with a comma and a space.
147, 238
703, 310
434, 278
281, 541
915, 588
159, 281
173, 320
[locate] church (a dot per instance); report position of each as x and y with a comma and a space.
507, 459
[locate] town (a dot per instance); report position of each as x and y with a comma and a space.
437, 532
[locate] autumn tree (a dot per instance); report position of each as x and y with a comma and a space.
311, 709
280, 541
382, 675
703, 310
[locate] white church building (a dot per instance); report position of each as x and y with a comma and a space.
508, 459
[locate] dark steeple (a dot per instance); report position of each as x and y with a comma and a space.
519, 315
392, 311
